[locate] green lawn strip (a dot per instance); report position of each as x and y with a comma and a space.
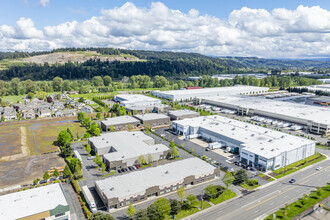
145, 165
109, 174
296, 207
248, 187
301, 167
185, 213
227, 194
265, 177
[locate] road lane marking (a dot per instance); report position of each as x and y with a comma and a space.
275, 196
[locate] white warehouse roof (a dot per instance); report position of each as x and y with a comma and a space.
295, 110
126, 144
259, 140
177, 95
183, 112
136, 183
30, 202
151, 116
125, 119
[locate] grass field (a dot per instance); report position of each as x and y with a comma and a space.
228, 194
185, 213
40, 135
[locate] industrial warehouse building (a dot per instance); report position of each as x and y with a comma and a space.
315, 119
120, 122
122, 149
140, 103
153, 119
258, 146
45, 202
122, 190
182, 114
188, 94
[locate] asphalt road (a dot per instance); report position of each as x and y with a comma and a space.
267, 200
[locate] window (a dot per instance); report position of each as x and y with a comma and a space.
180, 186
174, 188
135, 199
128, 202
168, 190
141, 197
58, 215
121, 204
161, 192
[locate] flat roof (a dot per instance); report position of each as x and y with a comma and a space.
30, 202
197, 92
182, 112
125, 119
299, 111
259, 140
151, 116
136, 183
132, 98
126, 145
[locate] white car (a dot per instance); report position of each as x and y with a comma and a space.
318, 168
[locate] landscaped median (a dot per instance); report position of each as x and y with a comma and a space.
227, 194
317, 157
302, 204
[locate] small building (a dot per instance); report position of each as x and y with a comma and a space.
64, 113
122, 190
29, 114
120, 122
153, 119
182, 114
87, 109
45, 113
122, 149
45, 202
8, 116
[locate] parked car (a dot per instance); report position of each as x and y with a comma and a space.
137, 166
119, 171
292, 181
133, 167
123, 170
90, 157
162, 135
130, 168
318, 168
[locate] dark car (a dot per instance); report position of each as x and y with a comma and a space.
130, 168
126, 169
123, 170
119, 171
292, 181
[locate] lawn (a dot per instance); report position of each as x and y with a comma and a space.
299, 165
248, 187
13, 98
322, 146
185, 213
227, 194
39, 134
302, 204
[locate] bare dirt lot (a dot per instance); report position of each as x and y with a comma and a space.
25, 170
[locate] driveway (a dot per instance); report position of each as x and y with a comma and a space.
76, 212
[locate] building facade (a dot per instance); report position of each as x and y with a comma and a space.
182, 114
153, 119
121, 122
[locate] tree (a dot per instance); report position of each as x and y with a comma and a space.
211, 191
175, 207
97, 81
240, 177
36, 181
228, 179
81, 100
57, 84
103, 167
172, 144
129, 127
98, 115
154, 213
98, 160
150, 159
56, 173
101, 216
174, 152
64, 137
97, 132
141, 214
30, 95
67, 172
87, 122
76, 168
164, 206
67, 150
46, 176
131, 211
2, 118
191, 202
181, 193
107, 80
141, 160
88, 148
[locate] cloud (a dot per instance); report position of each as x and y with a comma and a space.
43, 3
280, 33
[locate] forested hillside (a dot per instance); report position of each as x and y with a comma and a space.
151, 63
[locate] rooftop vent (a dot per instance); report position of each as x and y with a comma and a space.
103, 139
122, 156
272, 149
112, 188
270, 140
262, 148
156, 148
166, 172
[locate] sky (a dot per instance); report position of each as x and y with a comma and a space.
261, 28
